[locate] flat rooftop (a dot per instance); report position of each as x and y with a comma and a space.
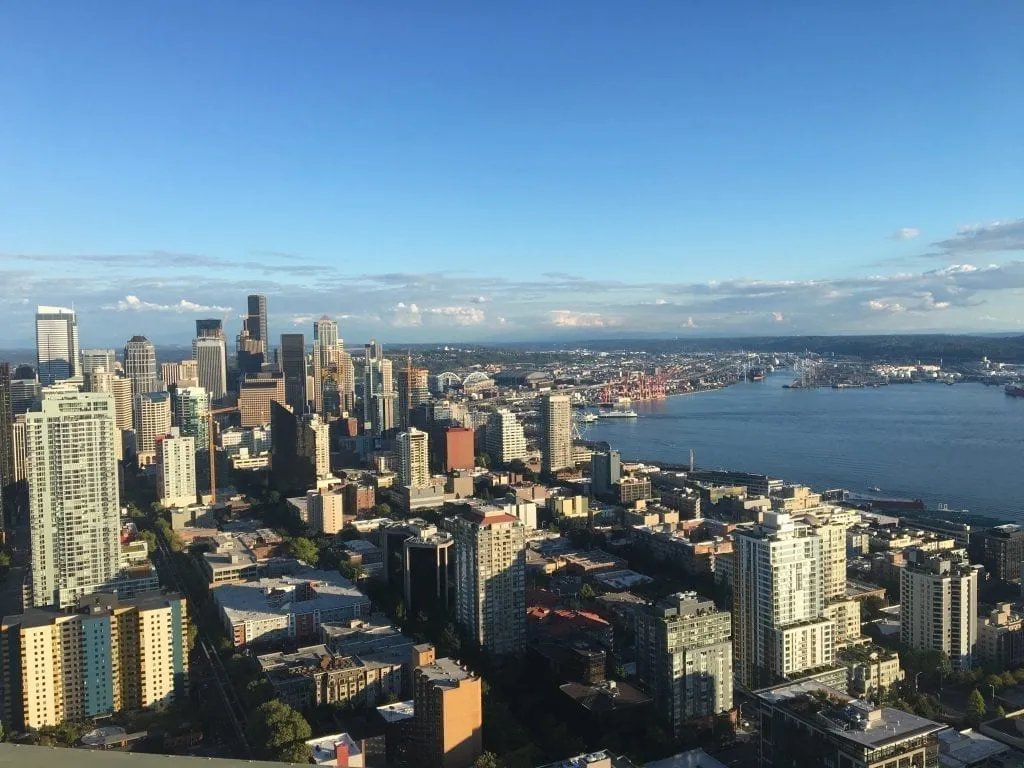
276, 596
851, 719
24, 756
445, 672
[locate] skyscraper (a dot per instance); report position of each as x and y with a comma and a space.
121, 388
412, 390
97, 358
556, 433
74, 509
184, 373
293, 366
57, 354
140, 365
413, 458
506, 440
257, 321
211, 365
255, 395
490, 567
6, 432
176, 469
154, 419
778, 602
684, 656
210, 328
378, 390
326, 348
939, 605
191, 408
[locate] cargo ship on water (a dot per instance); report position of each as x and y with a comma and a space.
1014, 390
756, 374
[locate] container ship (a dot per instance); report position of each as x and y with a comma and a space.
1014, 390
756, 374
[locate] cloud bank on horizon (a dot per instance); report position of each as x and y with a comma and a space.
970, 281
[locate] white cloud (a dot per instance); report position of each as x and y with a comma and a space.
689, 323
458, 315
570, 319
479, 300
778, 317
302, 320
135, 304
880, 305
406, 315
659, 302
906, 233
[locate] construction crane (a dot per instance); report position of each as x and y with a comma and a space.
213, 448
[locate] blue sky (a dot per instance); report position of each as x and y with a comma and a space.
468, 170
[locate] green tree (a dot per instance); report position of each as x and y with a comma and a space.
483, 460
975, 708
487, 760
382, 510
1000, 712
873, 608
450, 643
587, 592
304, 549
277, 732
994, 681
150, 538
1008, 679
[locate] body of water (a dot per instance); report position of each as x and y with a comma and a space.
960, 445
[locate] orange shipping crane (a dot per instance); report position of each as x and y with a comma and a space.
213, 448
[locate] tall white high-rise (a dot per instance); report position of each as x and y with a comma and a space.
506, 440
556, 432
74, 509
939, 605
413, 458
778, 602
140, 365
176, 469
154, 420
57, 353
490, 573
212, 364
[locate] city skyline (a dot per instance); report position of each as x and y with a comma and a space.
725, 170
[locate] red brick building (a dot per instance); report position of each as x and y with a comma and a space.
458, 449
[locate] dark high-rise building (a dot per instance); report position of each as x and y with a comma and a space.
293, 366
6, 428
288, 473
605, 472
210, 328
429, 571
1000, 550
257, 320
